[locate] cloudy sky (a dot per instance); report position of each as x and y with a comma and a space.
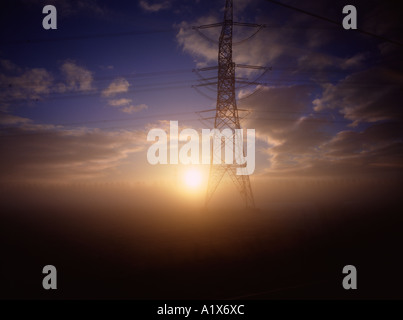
76, 103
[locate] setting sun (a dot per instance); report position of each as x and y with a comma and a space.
193, 178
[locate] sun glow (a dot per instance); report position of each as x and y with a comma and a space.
193, 178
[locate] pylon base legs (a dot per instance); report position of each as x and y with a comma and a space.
242, 183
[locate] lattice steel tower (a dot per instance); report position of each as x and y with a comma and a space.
226, 112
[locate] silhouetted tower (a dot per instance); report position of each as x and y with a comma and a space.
226, 111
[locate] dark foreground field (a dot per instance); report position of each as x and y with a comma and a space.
120, 251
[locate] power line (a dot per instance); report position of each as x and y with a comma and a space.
129, 76
276, 83
167, 115
312, 121
89, 36
162, 115
398, 43
134, 33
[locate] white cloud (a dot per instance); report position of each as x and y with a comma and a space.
299, 48
30, 84
37, 83
9, 119
132, 109
192, 43
53, 153
120, 85
154, 7
77, 78
119, 102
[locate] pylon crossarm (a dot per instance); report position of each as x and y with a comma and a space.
248, 38
211, 25
204, 36
251, 83
207, 79
252, 67
246, 24
205, 84
207, 68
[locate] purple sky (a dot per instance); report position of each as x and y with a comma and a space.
76, 102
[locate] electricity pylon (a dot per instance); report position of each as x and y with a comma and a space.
226, 112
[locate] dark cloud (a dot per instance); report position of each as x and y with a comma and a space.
276, 111
366, 144
367, 96
284, 119
375, 151
301, 141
